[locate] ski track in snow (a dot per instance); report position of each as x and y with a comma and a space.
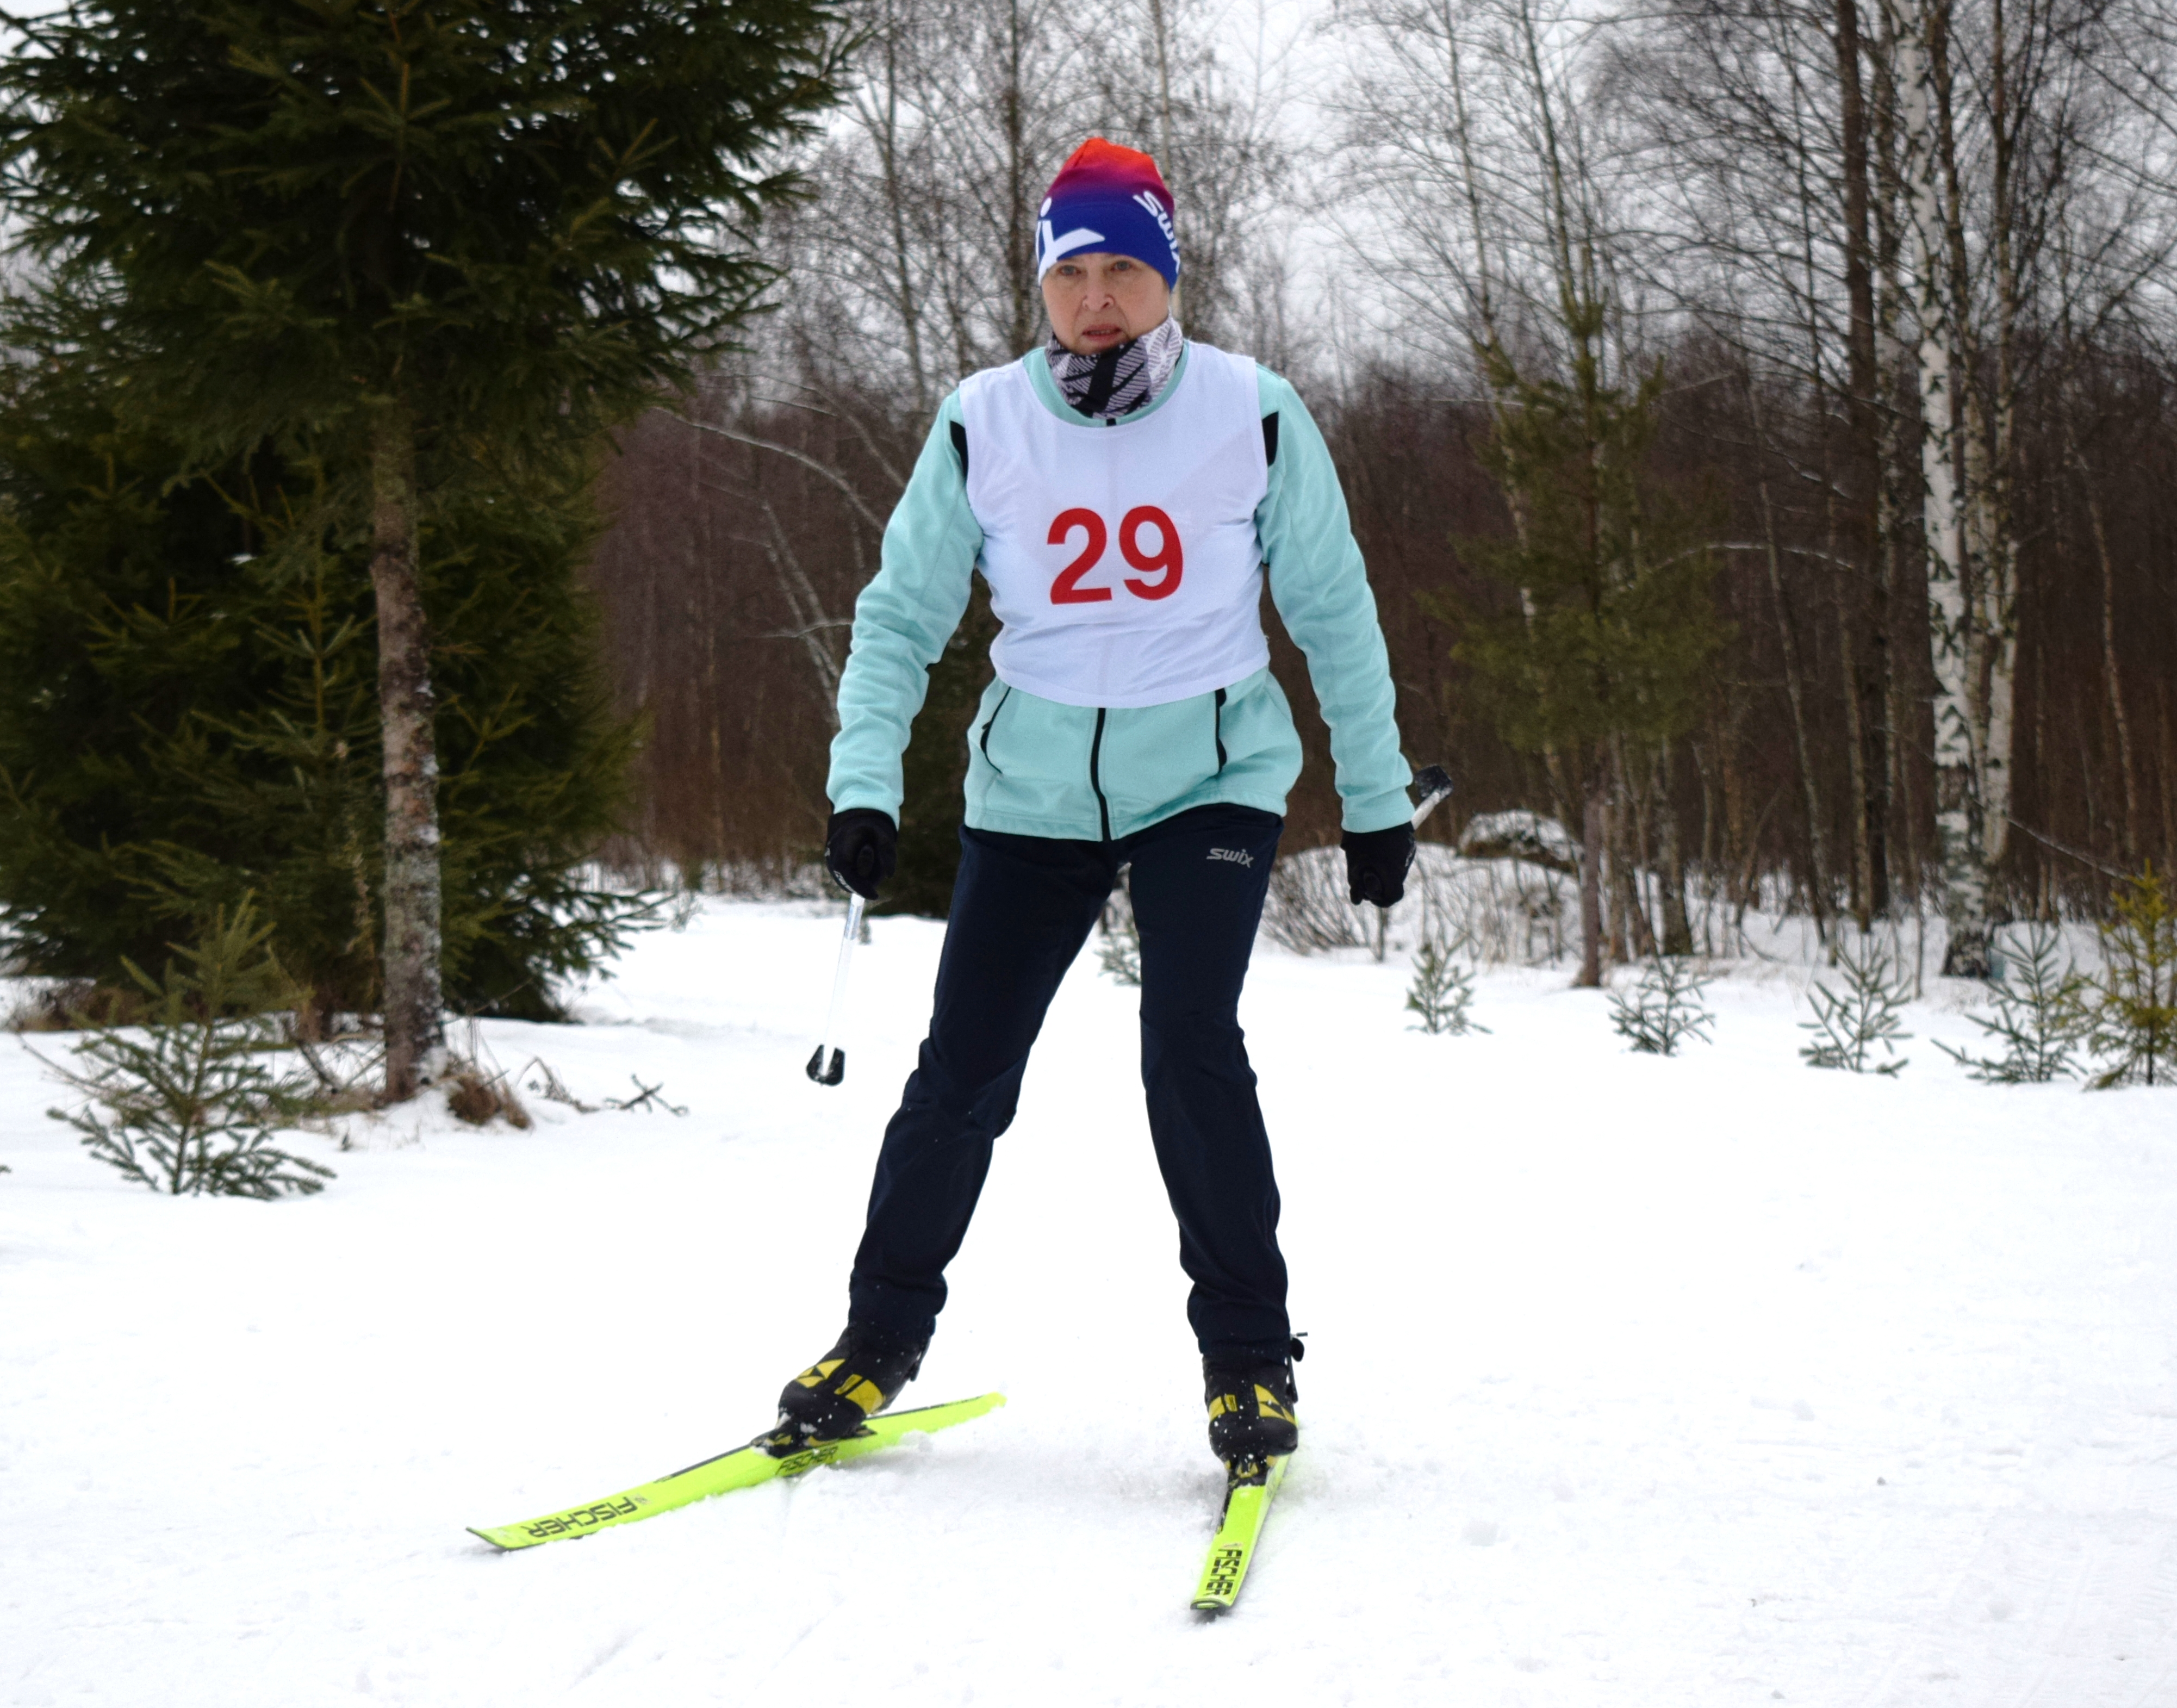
1663, 1383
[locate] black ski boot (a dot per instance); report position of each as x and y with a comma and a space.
838, 1394
1251, 1399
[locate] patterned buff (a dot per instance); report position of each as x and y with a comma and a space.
1109, 199
1123, 378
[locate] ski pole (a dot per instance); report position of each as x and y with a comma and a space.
1434, 783
828, 1066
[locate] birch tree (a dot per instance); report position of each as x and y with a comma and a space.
1919, 36
1864, 212
2009, 134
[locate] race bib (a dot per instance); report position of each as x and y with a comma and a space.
1122, 561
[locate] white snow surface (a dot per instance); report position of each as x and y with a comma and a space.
1632, 1381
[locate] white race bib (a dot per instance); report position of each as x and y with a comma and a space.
1122, 561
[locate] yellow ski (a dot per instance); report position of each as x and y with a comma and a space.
1250, 1487
743, 1468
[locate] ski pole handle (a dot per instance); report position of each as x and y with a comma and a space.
828, 1066
1434, 783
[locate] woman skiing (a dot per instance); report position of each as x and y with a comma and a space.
1123, 491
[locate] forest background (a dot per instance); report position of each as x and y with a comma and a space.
1758, 418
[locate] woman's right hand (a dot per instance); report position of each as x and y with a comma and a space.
861, 848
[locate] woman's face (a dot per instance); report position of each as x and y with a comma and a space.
1098, 300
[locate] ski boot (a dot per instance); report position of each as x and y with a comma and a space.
1251, 1399
838, 1394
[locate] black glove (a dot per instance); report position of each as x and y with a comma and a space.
861, 847
1375, 863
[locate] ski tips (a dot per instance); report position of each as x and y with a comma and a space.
831, 1073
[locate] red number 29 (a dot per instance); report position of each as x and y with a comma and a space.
1167, 564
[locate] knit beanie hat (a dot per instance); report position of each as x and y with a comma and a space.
1111, 199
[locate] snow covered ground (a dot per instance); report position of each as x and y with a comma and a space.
1632, 1381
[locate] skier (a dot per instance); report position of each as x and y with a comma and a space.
1124, 490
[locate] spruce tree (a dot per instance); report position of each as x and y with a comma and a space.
2041, 1014
1600, 648
1442, 992
424, 249
191, 1101
1863, 1011
1665, 1008
188, 715
2134, 1002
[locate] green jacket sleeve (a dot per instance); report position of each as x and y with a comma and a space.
902, 620
1320, 587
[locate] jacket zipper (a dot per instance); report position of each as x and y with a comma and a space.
1095, 781
985, 743
1217, 728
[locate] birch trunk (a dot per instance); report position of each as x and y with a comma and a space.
1958, 815
415, 1034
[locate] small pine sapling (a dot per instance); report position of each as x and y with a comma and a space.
1120, 953
1852, 1019
2041, 1016
2134, 1002
1442, 992
1665, 1008
188, 1102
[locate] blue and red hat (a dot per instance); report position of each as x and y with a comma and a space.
1111, 199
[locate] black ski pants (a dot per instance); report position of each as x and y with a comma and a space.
1022, 907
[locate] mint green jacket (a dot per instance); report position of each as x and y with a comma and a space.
1036, 767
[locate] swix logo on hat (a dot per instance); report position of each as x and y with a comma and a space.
1111, 199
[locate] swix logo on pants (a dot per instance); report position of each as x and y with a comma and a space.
1122, 561
1238, 856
